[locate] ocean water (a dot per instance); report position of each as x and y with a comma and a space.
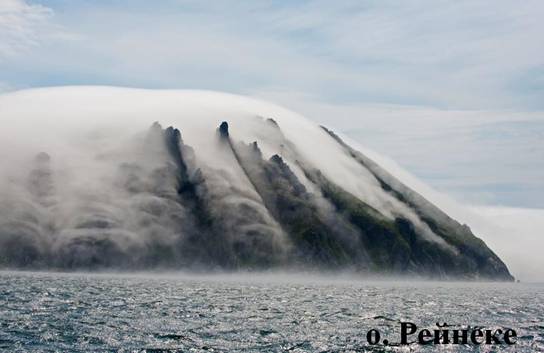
51, 312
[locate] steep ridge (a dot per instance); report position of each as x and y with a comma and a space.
322, 241
474, 254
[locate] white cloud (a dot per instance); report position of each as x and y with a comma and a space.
449, 54
21, 26
481, 157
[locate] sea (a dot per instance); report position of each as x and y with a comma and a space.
255, 312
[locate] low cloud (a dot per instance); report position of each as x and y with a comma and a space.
516, 234
470, 157
477, 156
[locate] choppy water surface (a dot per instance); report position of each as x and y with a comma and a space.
57, 312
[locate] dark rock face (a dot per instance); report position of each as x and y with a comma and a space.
224, 129
316, 239
179, 212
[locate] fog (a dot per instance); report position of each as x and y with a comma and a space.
85, 175
513, 233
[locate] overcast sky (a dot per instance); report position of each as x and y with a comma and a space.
452, 90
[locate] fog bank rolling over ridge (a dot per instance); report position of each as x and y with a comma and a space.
68, 122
